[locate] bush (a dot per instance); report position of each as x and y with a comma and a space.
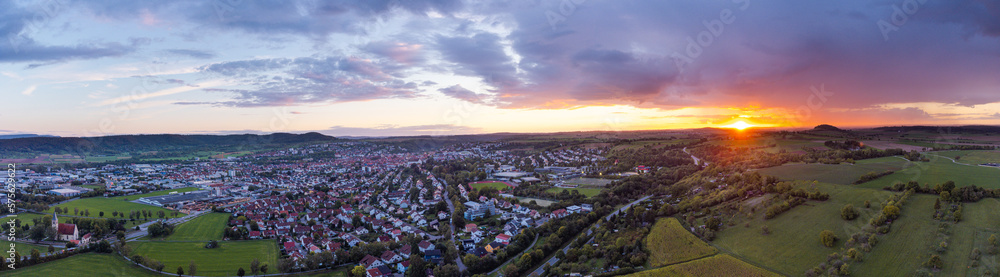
934, 262
827, 238
848, 212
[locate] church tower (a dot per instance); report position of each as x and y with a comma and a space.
55, 221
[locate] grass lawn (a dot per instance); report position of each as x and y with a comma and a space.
88, 264
205, 227
109, 205
938, 170
222, 261
92, 186
669, 243
589, 192
23, 248
155, 193
496, 185
844, 174
793, 245
719, 265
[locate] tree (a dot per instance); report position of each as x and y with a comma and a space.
993, 239
358, 271
937, 203
51, 249
101, 213
848, 212
180, 271
40, 232
934, 262
241, 272
254, 266
890, 211
192, 268
827, 238
263, 269
35, 255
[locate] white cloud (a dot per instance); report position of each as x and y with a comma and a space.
29, 90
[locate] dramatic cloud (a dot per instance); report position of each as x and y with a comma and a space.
307, 80
458, 92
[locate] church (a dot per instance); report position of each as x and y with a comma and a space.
64, 231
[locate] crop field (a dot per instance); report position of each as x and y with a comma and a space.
719, 265
835, 173
793, 245
155, 193
222, 261
938, 170
88, 264
669, 243
102, 159
109, 205
496, 185
205, 227
589, 192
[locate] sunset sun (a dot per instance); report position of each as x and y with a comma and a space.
739, 125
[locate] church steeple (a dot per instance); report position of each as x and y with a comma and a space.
55, 221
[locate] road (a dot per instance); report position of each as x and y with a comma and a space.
696, 159
518, 255
541, 269
451, 223
143, 227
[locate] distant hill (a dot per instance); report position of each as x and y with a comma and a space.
140, 143
14, 136
826, 127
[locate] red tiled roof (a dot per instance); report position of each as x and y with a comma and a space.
66, 229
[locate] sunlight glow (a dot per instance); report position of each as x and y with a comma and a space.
739, 125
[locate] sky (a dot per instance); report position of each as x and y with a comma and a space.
443, 67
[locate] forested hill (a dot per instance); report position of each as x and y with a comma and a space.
138, 143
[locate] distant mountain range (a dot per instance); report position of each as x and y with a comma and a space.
138, 143
14, 136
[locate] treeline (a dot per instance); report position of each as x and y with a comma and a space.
487, 263
846, 145
628, 158
15, 260
948, 191
871, 176
742, 158
557, 232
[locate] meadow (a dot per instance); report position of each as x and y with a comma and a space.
221, 261
835, 173
151, 194
793, 244
109, 205
719, 265
205, 227
496, 185
589, 192
669, 243
23, 248
88, 264
938, 170
971, 157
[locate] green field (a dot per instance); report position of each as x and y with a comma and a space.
669, 243
971, 157
835, 173
88, 264
23, 248
914, 237
793, 245
205, 227
719, 265
589, 182
222, 261
589, 192
938, 170
92, 186
496, 185
155, 193
102, 159
108, 205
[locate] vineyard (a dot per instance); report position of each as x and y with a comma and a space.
669, 243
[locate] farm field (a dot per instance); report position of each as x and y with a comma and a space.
109, 205
719, 265
793, 245
496, 185
669, 243
101, 159
205, 227
155, 193
938, 170
589, 192
835, 173
222, 261
88, 264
